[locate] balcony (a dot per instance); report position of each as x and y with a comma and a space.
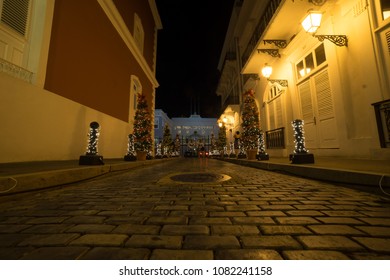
382, 114
274, 139
265, 20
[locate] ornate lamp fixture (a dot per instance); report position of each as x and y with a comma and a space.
313, 21
267, 71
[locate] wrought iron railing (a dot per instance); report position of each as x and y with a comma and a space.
264, 20
274, 139
382, 114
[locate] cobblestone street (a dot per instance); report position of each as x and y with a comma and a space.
145, 214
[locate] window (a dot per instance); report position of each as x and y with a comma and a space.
156, 124
138, 33
320, 54
311, 61
135, 89
15, 14
274, 92
385, 9
274, 107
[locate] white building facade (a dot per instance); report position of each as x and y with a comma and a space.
337, 80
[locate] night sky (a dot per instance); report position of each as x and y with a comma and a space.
188, 51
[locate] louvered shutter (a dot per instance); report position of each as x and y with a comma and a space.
308, 114
14, 13
324, 96
278, 112
326, 121
306, 103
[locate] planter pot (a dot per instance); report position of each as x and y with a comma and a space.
262, 156
91, 160
130, 158
251, 154
141, 155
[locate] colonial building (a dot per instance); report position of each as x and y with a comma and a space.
67, 63
191, 131
160, 120
326, 62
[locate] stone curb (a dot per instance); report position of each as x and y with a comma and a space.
40, 180
320, 173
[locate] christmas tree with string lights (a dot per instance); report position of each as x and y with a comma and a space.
142, 125
250, 121
300, 154
222, 139
167, 141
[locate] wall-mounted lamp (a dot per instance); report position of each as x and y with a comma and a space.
313, 21
267, 71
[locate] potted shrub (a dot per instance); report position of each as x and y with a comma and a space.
250, 125
142, 128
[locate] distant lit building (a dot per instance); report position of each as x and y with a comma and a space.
160, 120
195, 124
192, 131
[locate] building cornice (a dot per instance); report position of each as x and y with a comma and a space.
156, 16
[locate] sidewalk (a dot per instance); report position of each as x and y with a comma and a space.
364, 172
25, 176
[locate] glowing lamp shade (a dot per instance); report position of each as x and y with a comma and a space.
266, 71
312, 22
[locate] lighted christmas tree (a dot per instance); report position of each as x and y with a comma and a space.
222, 139
167, 141
301, 154
261, 153
92, 157
130, 155
177, 145
250, 121
142, 125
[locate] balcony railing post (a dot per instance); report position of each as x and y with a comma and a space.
382, 114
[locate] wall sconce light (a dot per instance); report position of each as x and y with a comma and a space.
267, 71
313, 21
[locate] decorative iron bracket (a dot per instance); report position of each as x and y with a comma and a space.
278, 43
317, 2
271, 52
283, 83
339, 40
252, 76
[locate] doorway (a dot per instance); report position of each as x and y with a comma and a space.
317, 110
